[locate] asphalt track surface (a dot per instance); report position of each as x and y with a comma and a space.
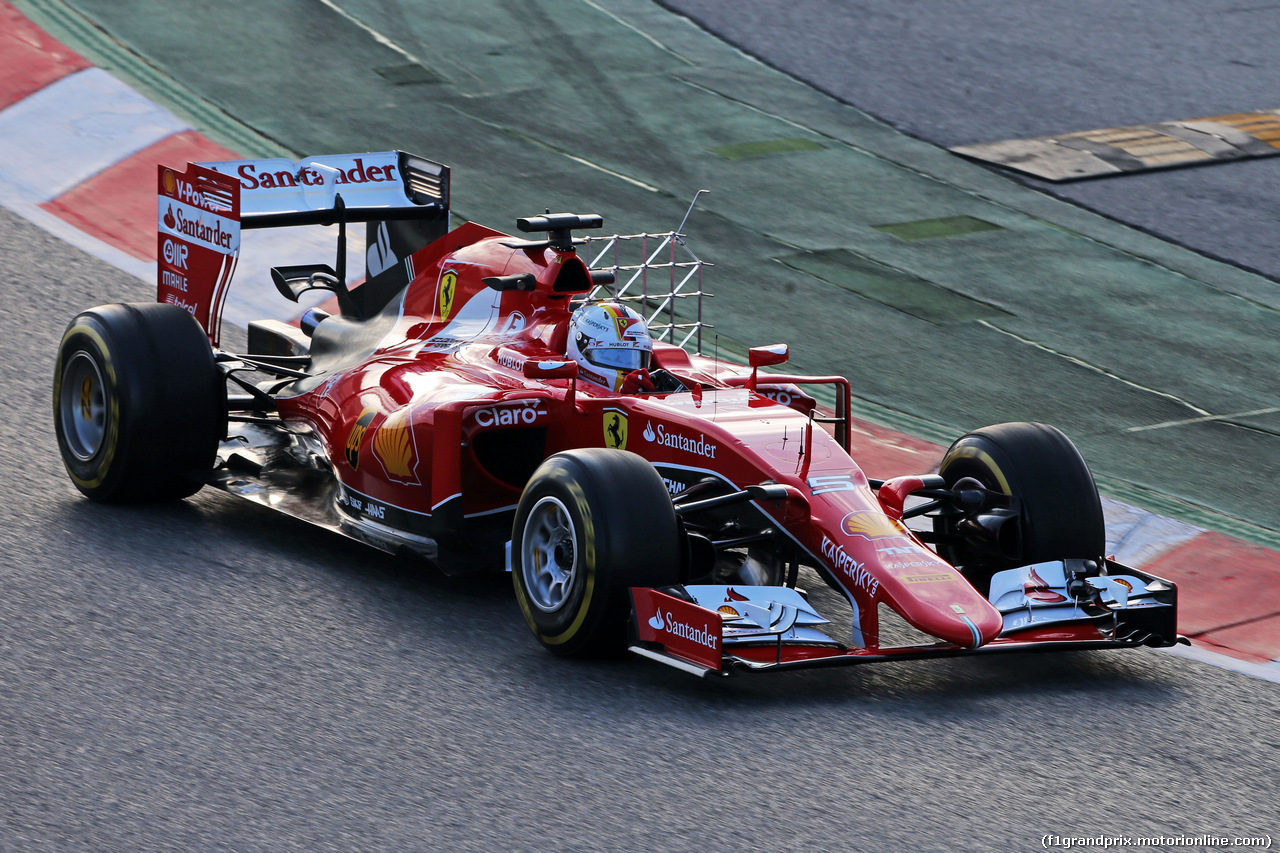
204, 676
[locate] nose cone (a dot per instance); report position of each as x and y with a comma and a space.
944, 604
969, 625
979, 628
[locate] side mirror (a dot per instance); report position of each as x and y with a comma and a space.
767, 356
550, 369
520, 281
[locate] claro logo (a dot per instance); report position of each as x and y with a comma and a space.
701, 636
509, 415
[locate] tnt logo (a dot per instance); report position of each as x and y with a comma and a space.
175, 254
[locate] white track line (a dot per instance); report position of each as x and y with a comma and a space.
1204, 419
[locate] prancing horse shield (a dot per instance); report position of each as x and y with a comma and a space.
615, 429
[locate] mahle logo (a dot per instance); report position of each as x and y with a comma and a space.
355, 438
448, 287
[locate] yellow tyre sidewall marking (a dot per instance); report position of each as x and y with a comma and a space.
588, 567
985, 458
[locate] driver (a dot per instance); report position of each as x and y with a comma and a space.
612, 346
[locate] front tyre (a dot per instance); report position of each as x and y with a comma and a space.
139, 405
1060, 514
591, 524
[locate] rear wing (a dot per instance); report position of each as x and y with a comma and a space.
403, 199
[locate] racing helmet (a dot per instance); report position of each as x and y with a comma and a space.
608, 340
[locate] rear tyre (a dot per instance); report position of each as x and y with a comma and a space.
139, 405
591, 524
1060, 513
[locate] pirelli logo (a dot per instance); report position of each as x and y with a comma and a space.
939, 577
1137, 148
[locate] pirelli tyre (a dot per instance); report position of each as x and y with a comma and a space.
139, 405
1059, 512
591, 524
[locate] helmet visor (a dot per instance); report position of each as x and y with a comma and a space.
619, 358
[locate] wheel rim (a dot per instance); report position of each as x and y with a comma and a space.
82, 406
549, 555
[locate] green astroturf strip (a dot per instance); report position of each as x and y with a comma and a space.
409, 74
891, 287
932, 229
743, 150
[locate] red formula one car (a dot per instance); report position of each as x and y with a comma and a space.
460, 405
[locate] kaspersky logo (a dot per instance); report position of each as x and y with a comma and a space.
854, 570
684, 631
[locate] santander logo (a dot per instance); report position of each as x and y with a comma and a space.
253, 177
698, 446
701, 636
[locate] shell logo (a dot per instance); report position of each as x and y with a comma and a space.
448, 288
393, 445
871, 525
170, 183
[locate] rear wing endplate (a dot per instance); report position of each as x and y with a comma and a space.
403, 198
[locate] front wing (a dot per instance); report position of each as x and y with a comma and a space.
719, 630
